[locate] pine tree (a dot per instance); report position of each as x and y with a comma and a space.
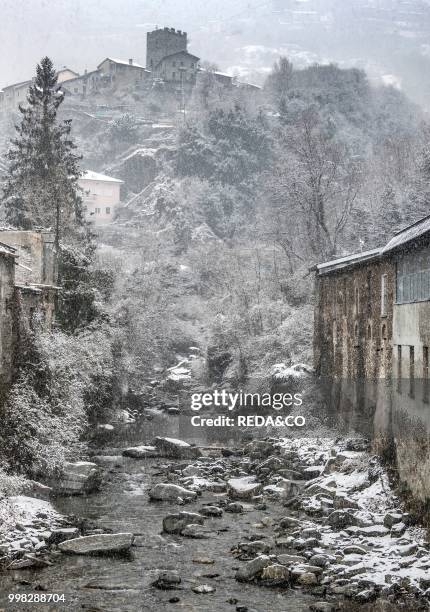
41, 188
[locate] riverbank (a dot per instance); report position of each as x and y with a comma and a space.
277, 524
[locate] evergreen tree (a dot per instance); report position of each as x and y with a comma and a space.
41, 188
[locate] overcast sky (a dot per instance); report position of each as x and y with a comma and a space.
390, 39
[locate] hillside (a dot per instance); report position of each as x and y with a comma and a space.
223, 215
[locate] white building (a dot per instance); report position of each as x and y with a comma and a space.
101, 197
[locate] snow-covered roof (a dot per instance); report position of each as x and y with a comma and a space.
408, 234
217, 72
21, 84
343, 262
122, 62
65, 69
90, 175
411, 233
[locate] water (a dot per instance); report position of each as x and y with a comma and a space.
124, 584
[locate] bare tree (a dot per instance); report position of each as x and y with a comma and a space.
312, 190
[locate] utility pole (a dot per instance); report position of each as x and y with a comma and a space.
182, 72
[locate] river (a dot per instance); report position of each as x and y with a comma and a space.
124, 584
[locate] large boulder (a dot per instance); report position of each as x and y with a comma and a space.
175, 523
276, 574
79, 478
171, 492
167, 580
141, 452
176, 449
339, 519
253, 568
104, 543
243, 488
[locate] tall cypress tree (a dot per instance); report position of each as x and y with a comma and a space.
41, 187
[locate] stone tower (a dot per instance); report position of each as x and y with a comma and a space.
163, 42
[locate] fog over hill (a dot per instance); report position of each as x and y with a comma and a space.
388, 38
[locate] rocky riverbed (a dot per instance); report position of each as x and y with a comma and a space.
273, 524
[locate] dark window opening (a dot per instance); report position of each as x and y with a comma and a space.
357, 300
369, 332
384, 295
411, 371
345, 304
399, 368
426, 382
369, 293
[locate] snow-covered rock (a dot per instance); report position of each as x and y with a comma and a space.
252, 568
141, 452
98, 544
175, 523
175, 448
171, 492
243, 488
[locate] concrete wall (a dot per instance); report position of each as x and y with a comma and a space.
411, 328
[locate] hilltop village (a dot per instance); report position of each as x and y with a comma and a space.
169, 67
171, 73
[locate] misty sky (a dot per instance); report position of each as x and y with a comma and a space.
390, 39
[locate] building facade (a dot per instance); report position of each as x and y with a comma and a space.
372, 311
28, 290
101, 197
14, 95
119, 74
177, 68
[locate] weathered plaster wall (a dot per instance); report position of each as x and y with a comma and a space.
35, 251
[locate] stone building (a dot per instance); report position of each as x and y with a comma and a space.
28, 273
372, 312
87, 83
178, 68
168, 59
120, 74
371, 350
163, 42
35, 273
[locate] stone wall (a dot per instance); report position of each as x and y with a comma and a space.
7, 318
352, 339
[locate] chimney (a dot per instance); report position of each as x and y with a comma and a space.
130, 61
